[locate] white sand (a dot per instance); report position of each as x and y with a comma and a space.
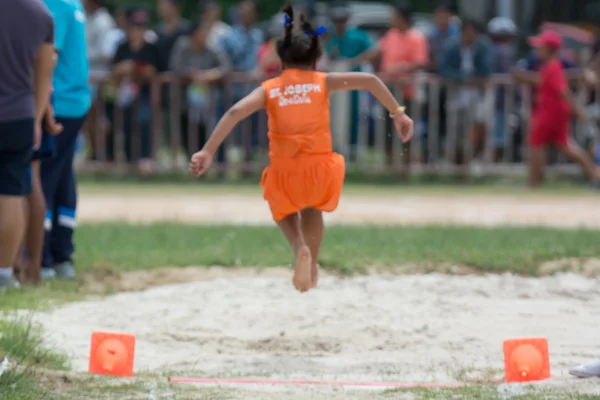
433, 328
430, 328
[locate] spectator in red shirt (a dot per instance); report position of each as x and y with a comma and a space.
553, 109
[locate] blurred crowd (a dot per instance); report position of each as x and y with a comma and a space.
207, 49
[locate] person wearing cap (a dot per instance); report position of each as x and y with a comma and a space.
71, 99
551, 119
171, 28
349, 43
134, 65
503, 32
352, 47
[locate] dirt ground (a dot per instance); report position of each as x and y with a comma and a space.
485, 210
245, 322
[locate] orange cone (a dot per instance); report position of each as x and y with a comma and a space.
526, 360
112, 354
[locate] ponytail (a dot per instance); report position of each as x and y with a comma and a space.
289, 24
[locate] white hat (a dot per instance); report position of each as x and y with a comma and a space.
502, 26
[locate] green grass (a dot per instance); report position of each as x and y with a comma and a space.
21, 342
121, 247
345, 249
111, 247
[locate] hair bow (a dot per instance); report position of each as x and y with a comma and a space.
321, 30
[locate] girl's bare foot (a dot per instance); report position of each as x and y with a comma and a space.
303, 272
314, 275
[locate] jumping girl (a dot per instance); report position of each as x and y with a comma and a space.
304, 177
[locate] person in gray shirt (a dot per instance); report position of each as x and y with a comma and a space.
27, 51
200, 66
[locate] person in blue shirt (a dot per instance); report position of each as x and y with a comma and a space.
71, 100
355, 47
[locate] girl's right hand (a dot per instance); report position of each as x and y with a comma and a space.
200, 162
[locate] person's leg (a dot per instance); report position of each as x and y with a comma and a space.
51, 171
15, 184
12, 229
109, 139
539, 136
65, 201
578, 155
292, 230
184, 136
535, 166
145, 164
313, 229
91, 129
34, 237
499, 134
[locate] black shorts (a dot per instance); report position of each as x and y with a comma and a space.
16, 143
47, 148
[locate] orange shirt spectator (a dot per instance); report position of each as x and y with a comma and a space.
403, 49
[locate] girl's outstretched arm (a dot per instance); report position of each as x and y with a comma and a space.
242, 109
337, 81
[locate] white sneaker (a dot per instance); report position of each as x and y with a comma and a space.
65, 270
9, 283
587, 370
48, 274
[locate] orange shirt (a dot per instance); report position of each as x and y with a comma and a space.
297, 106
401, 48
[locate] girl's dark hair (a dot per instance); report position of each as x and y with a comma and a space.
300, 44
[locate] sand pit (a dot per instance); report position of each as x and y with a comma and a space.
428, 328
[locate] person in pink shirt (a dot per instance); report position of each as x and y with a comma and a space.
404, 50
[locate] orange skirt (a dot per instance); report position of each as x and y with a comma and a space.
293, 184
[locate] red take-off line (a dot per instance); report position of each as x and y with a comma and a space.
235, 381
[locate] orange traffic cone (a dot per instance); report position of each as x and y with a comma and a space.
526, 360
112, 354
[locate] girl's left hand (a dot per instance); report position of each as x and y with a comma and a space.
404, 126
200, 162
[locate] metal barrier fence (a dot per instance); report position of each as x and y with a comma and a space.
458, 129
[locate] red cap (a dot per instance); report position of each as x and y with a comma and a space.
549, 39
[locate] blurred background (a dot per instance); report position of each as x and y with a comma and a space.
207, 55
